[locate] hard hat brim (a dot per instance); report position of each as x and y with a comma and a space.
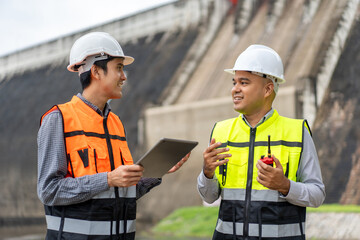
232, 71
127, 61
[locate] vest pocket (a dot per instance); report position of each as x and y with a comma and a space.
283, 157
99, 160
79, 161
237, 168
125, 153
126, 156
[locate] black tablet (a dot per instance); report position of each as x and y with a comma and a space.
164, 155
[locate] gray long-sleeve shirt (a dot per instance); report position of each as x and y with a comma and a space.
307, 191
53, 188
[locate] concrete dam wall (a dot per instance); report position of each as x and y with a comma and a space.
310, 36
177, 88
35, 79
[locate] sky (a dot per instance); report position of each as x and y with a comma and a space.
25, 23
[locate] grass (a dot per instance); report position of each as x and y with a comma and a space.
200, 221
335, 208
189, 221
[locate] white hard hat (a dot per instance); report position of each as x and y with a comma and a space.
93, 47
262, 61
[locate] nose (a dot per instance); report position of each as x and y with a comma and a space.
123, 76
236, 88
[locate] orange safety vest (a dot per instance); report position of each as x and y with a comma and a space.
93, 144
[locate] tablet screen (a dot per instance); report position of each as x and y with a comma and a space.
164, 155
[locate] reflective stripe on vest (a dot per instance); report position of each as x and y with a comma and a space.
268, 230
128, 192
100, 228
245, 202
93, 145
256, 195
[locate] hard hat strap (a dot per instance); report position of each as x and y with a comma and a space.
89, 61
272, 78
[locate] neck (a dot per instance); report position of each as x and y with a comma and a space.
255, 118
94, 98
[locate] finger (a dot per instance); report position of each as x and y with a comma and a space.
134, 179
134, 168
261, 181
216, 158
222, 156
131, 174
221, 162
263, 167
212, 147
260, 164
179, 164
173, 169
261, 176
277, 162
220, 150
183, 160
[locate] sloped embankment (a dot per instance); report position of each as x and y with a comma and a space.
336, 131
24, 97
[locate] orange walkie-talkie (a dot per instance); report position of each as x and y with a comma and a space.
268, 160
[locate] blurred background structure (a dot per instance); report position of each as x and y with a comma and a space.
177, 88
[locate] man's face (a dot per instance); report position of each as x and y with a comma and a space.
248, 92
112, 81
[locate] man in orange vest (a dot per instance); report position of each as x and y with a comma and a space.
86, 177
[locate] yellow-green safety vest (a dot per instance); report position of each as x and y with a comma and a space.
248, 209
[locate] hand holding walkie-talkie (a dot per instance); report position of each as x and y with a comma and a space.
268, 160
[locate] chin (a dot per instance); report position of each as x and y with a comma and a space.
117, 96
237, 108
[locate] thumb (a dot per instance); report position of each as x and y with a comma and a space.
212, 141
277, 162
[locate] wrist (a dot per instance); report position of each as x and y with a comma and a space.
208, 174
109, 179
286, 187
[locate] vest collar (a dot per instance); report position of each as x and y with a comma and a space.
107, 108
84, 107
267, 122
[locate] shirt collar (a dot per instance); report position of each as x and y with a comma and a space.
107, 107
266, 116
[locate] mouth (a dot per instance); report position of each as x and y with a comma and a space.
237, 99
120, 84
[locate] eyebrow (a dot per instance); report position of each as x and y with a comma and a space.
242, 78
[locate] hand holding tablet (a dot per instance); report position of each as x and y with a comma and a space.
165, 154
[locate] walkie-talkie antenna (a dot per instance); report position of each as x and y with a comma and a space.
269, 151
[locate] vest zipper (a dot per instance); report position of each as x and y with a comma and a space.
249, 182
112, 164
108, 143
125, 205
95, 161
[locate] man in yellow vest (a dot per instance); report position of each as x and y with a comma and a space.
86, 177
261, 197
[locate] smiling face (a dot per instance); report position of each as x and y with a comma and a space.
250, 93
111, 81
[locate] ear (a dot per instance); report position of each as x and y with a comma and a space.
269, 89
94, 72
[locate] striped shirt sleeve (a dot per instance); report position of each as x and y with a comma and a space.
52, 186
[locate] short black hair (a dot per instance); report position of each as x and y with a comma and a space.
85, 76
